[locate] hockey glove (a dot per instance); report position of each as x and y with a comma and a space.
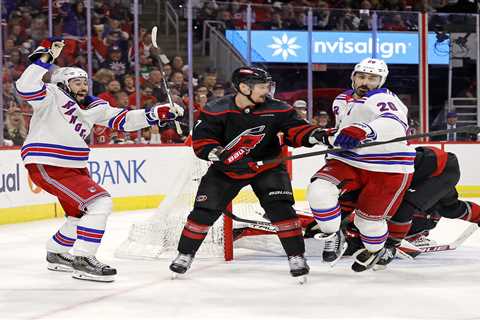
165, 112
350, 137
52, 47
318, 136
235, 162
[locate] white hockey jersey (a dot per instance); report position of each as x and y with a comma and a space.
59, 126
384, 117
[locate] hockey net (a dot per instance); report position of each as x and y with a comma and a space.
158, 236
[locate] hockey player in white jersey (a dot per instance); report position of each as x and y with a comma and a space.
55, 154
381, 173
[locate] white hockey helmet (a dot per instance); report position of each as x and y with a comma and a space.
63, 75
373, 66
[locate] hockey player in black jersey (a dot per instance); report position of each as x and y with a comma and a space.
431, 195
236, 133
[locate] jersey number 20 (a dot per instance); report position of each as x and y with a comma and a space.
386, 106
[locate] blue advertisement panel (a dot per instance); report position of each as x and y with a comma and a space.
336, 47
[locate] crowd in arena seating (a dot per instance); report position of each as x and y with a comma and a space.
113, 77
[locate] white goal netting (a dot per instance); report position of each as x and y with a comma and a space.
158, 236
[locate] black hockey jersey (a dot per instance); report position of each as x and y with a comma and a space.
222, 123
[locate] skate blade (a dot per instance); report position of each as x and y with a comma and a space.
81, 275
302, 280
59, 267
379, 267
340, 255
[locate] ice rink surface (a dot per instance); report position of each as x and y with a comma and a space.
442, 285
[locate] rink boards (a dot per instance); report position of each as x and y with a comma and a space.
140, 177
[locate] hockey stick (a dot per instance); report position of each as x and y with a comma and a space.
414, 250
167, 89
466, 129
254, 224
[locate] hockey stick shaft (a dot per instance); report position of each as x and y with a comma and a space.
165, 84
467, 129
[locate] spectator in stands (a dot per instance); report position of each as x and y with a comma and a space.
301, 108
347, 20
323, 119
8, 92
167, 70
209, 79
129, 84
323, 22
112, 88
15, 63
177, 63
101, 79
394, 23
18, 34
178, 82
226, 17
150, 135
218, 91
74, 22
116, 62
15, 129
300, 21
121, 99
155, 79
39, 29
147, 99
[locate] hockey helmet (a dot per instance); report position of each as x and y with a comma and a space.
372, 66
250, 76
62, 76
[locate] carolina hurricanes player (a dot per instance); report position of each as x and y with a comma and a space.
381, 173
235, 133
55, 155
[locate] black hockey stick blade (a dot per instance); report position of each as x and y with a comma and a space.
466, 129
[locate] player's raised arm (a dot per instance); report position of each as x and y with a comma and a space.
30, 86
132, 120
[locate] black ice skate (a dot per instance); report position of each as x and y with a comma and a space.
298, 267
59, 261
365, 259
182, 263
335, 246
89, 268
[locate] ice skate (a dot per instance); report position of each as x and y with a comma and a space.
365, 259
335, 246
59, 261
89, 268
181, 264
299, 268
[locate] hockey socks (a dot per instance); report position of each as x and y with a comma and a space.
63, 240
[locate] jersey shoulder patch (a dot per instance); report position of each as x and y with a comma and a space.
92, 102
343, 96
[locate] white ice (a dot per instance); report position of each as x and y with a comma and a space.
442, 285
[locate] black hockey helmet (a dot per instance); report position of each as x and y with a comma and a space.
250, 76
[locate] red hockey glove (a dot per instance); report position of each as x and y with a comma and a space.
165, 111
350, 137
52, 46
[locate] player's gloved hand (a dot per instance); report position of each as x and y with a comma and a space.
52, 47
236, 161
318, 136
350, 137
165, 111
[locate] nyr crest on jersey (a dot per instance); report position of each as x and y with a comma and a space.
244, 143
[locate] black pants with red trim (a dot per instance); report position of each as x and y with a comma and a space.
274, 192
